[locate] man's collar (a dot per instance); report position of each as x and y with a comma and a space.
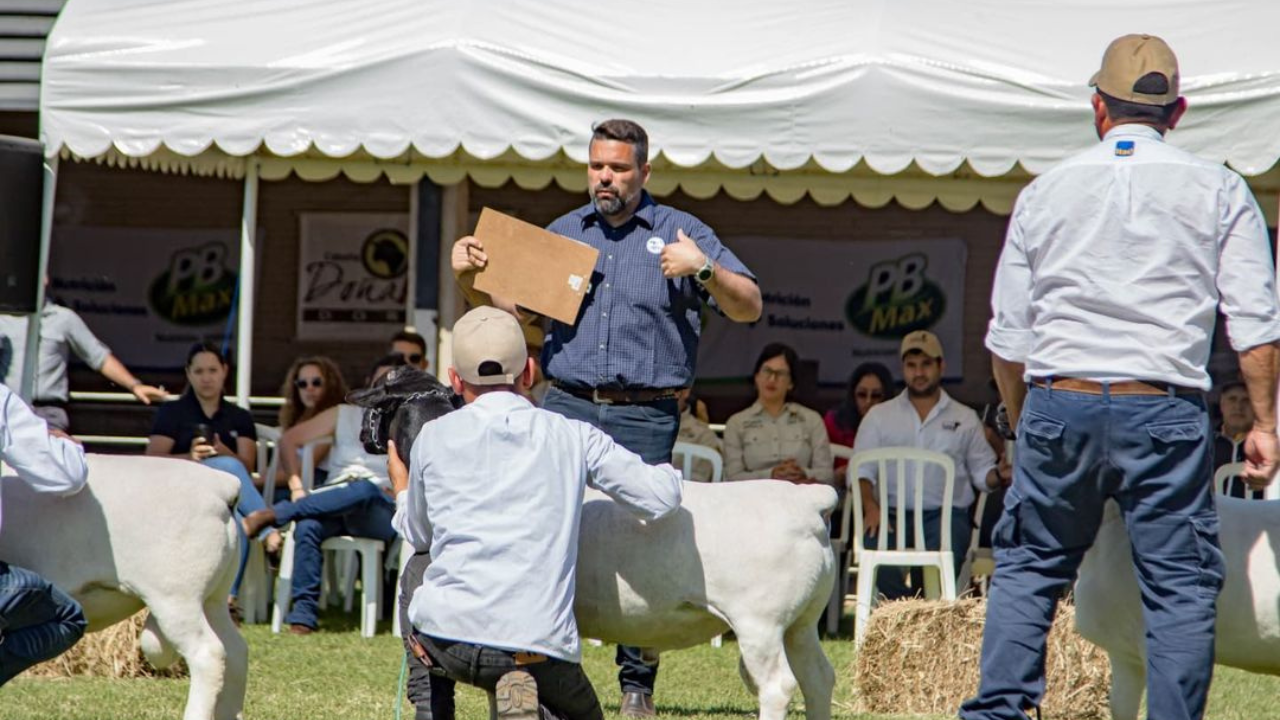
1137, 130
643, 214
501, 399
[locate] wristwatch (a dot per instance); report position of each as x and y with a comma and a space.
704, 274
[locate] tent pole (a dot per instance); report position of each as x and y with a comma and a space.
244, 324
31, 354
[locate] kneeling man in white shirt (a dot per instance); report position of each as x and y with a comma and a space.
495, 492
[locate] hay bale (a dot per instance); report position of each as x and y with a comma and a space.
111, 653
921, 657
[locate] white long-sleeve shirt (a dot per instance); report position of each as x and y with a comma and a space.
1117, 260
45, 462
950, 428
495, 493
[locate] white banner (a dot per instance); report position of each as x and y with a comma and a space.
147, 293
353, 275
842, 303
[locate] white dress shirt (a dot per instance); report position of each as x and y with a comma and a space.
45, 462
1117, 260
495, 493
950, 428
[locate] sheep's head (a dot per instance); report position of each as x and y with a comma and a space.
398, 406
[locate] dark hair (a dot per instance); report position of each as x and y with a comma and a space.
201, 348
1124, 111
773, 350
847, 417
627, 131
1232, 385
392, 360
410, 336
335, 389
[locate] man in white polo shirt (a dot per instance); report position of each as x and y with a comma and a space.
924, 416
495, 493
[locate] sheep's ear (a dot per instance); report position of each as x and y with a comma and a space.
368, 397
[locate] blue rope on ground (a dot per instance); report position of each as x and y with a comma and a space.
404, 672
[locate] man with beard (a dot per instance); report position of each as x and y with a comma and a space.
924, 416
633, 347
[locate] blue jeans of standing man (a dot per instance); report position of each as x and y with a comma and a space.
891, 581
1150, 453
359, 509
38, 621
648, 430
250, 500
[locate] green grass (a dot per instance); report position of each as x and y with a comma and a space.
335, 674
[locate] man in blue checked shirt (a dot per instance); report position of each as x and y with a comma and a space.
633, 347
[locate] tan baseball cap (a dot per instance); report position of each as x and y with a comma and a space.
488, 335
924, 341
1130, 58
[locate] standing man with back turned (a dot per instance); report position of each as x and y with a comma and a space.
1115, 264
634, 345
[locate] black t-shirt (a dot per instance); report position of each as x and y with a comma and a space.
178, 420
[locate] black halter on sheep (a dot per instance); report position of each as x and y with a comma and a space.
397, 407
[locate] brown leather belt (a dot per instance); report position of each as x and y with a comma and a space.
602, 396
1126, 387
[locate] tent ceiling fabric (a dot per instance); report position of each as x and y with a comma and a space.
876, 99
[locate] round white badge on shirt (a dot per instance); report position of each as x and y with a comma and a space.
654, 245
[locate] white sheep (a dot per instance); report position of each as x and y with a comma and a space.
1109, 606
145, 531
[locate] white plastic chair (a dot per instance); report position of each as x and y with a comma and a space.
979, 562
840, 545
685, 454
939, 564
255, 596
369, 550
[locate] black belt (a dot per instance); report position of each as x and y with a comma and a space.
604, 396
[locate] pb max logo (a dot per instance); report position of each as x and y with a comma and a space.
896, 299
197, 289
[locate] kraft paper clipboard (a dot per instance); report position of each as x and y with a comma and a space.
539, 270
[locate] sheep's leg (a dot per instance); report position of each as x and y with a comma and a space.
1128, 679
155, 646
811, 668
183, 622
765, 659
230, 703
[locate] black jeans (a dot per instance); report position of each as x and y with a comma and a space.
419, 686
564, 692
38, 621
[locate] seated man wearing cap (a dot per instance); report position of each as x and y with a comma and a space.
924, 416
494, 491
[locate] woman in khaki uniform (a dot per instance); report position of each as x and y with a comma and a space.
774, 438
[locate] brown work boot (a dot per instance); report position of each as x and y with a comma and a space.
296, 629
257, 520
637, 705
516, 696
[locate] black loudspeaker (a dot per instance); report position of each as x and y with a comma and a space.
21, 194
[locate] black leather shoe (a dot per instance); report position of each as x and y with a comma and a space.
637, 705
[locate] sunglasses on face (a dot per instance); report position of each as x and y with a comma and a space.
412, 358
302, 383
771, 374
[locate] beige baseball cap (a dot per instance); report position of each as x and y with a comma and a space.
488, 335
924, 341
1130, 58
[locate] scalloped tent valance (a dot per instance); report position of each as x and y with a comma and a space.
913, 100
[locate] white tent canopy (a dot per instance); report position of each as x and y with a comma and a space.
918, 100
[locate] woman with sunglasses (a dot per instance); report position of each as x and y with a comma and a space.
775, 438
870, 384
313, 384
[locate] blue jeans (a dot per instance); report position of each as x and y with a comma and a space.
648, 430
891, 581
38, 621
359, 509
250, 500
1153, 455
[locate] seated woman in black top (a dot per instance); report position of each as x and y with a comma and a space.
232, 447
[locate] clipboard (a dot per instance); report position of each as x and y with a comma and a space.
539, 270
